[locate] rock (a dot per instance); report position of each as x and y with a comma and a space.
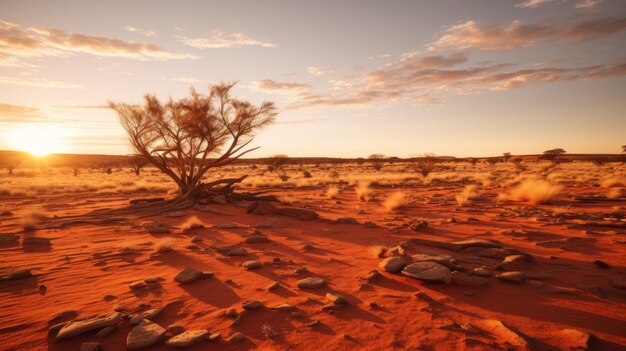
137, 285
371, 275
300, 270
156, 228
152, 280
67, 314
335, 298
175, 329
188, 275
252, 265
467, 279
252, 305
503, 333
445, 260
601, 264
187, 338
105, 332
227, 226
135, 319
144, 335
392, 264
283, 307
273, 286
311, 283
90, 346
428, 271
54, 330
331, 307
255, 239
236, 251
196, 239
8, 239
347, 220
483, 272
35, 240
513, 277
214, 336
153, 313
313, 323
75, 328
512, 262
575, 340
418, 225
308, 246
237, 337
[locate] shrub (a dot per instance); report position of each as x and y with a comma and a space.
466, 195
363, 191
536, 191
397, 201
332, 192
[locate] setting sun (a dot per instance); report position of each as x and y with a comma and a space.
38, 140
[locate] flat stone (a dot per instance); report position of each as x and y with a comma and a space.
255, 239
137, 285
284, 307
82, 326
135, 319
311, 283
188, 275
483, 272
237, 251
35, 240
512, 277
144, 335
236, 337
152, 313
252, 265
512, 262
252, 305
335, 298
445, 260
428, 271
467, 279
187, 338
156, 228
392, 264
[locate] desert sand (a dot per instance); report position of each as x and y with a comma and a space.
472, 221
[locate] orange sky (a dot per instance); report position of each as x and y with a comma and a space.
351, 78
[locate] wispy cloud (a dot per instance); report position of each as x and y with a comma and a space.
219, 40
16, 40
38, 82
472, 35
147, 33
302, 121
580, 4
182, 79
19, 114
269, 85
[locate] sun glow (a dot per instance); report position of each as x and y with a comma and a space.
38, 140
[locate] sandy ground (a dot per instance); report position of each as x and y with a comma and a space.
87, 269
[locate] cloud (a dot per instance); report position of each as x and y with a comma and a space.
422, 80
472, 35
38, 82
315, 71
302, 121
42, 41
18, 114
271, 86
580, 4
219, 40
186, 80
147, 33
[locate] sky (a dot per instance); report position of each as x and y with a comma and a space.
350, 78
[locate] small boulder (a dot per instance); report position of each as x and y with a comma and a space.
144, 335
252, 265
237, 337
188, 275
512, 277
335, 298
255, 239
252, 305
428, 271
152, 313
311, 283
75, 328
392, 264
187, 338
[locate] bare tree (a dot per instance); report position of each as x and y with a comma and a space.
553, 155
506, 156
425, 164
137, 163
186, 138
278, 163
377, 161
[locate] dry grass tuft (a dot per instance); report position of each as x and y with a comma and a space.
192, 223
614, 181
466, 195
363, 191
536, 191
614, 193
397, 201
332, 192
163, 246
32, 219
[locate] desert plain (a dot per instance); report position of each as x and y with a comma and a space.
476, 255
